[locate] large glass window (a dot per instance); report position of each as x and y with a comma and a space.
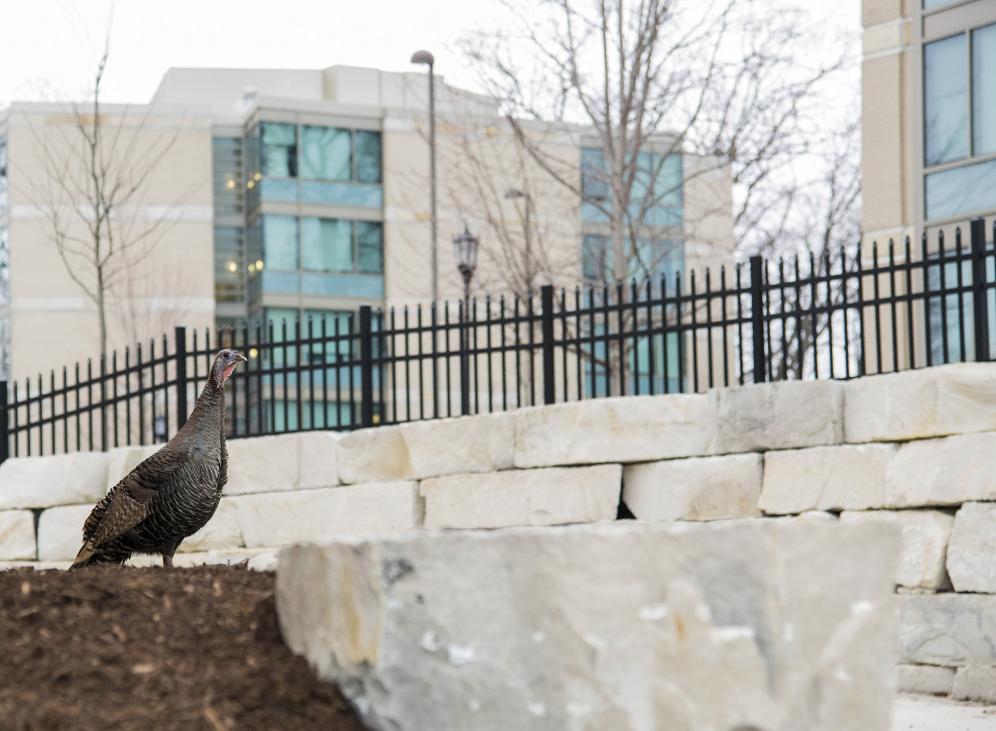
229, 264
653, 259
593, 178
325, 153
945, 72
369, 246
961, 191
279, 149
367, 156
984, 90
326, 245
226, 162
280, 243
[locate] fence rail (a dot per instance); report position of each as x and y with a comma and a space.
838, 315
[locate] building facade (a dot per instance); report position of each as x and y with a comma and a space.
297, 195
928, 114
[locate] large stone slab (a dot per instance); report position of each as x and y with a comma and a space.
276, 519
825, 478
17, 535
62, 479
308, 460
924, 540
60, 532
926, 679
631, 429
546, 496
975, 684
703, 488
431, 448
948, 629
946, 471
930, 402
624, 626
972, 549
782, 415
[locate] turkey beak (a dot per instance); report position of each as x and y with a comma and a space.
241, 357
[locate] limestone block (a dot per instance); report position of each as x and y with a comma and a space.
223, 531
482, 443
948, 629
924, 539
780, 415
60, 532
946, 471
318, 459
374, 455
929, 402
545, 496
825, 478
622, 626
926, 679
972, 549
703, 488
276, 519
61, 479
975, 684
631, 429
17, 535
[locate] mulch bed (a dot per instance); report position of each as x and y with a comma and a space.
152, 648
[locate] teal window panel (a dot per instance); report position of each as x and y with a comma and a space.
365, 286
945, 99
961, 191
341, 194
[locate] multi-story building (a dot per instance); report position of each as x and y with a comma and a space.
928, 112
288, 194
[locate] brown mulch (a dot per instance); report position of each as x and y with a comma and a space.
152, 648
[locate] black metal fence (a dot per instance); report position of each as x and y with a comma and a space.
838, 315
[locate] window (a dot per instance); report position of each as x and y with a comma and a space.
961, 191
369, 246
945, 76
593, 184
229, 264
280, 243
279, 149
325, 153
984, 90
226, 162
944, 311
653, 259
959, 126
367, 156
330, 319
326, 245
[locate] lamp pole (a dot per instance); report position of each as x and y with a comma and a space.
465, 252
424, 57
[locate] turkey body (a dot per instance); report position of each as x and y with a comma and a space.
169, 496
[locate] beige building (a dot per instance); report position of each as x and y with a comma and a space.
294, 193
928, 114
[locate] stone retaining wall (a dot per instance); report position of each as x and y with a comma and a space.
916, 449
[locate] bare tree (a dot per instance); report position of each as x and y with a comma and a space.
731, 82
94, 179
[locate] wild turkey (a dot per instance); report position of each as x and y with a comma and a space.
173, 493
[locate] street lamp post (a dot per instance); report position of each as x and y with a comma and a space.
511, 194
424, 57
465, 247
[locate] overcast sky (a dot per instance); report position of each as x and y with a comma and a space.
49, 48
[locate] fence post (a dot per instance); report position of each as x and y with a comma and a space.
4, 424
757, 316
464, 309
980, 298
549, 379
180, 345
366, 366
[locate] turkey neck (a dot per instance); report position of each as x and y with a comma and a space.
206, 421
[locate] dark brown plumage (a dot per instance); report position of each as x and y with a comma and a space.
173, 493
